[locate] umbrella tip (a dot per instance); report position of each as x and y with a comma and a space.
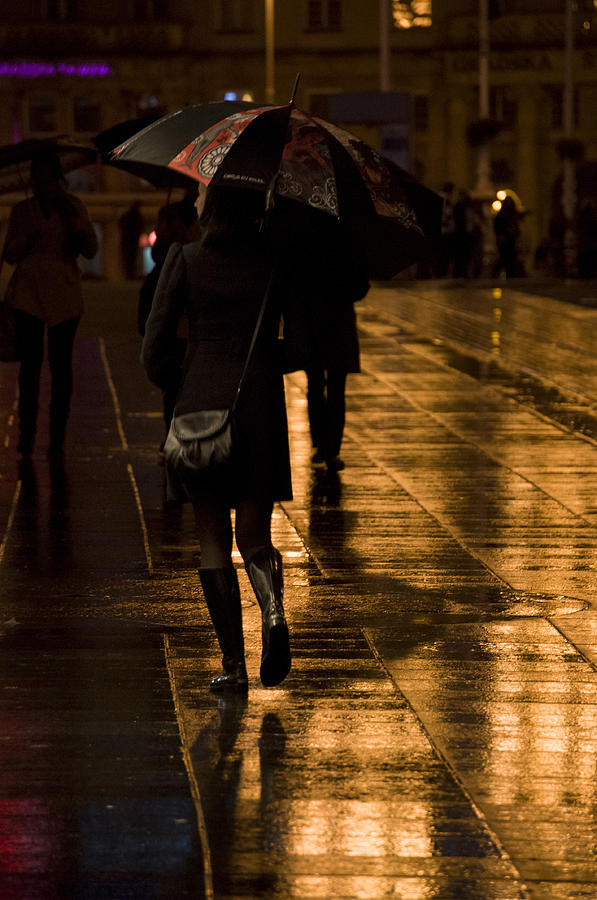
295, 88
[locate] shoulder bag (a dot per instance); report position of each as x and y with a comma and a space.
203, 440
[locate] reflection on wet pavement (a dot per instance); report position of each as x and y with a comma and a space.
93, 797
329, 787
436, 737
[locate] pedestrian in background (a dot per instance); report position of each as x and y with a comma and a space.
320, 317
46, 233
586, 226
131, 224
177, 223
506, 226
445, 254
219, 283
468, 234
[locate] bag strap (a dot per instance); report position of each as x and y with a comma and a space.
254, 338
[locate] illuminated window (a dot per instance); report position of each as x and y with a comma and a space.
324, 15
236, 15
42, 114
411, 13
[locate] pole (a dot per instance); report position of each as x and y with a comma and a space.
484, 186
484, 192
384, 46
270, 87
569, 166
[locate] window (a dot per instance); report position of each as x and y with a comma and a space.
86, 115
149, 9
503, 107
324, 15
61, 10
42, 114
411, 13
236, 16
555, 94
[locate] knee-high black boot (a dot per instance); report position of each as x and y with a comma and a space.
222, 595
264, 569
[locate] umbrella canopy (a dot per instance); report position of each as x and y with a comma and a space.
106, 140
306, 160
15, 159
158, 176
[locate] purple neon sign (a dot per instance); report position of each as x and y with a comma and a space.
39, 70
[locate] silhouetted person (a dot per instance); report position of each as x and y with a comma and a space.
506, 226
467, 235
131, 223
219, 283
46, 234
320, 320
176, 224
587, 240
445, 254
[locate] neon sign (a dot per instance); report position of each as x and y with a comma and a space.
44, 69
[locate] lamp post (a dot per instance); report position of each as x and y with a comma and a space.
270, 86
384, 45
569, 164
484, 186
483, 191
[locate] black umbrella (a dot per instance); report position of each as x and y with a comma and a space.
15, 159
307, 160
111, 137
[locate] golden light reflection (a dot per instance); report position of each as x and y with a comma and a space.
412, 889
412, 13
359, 828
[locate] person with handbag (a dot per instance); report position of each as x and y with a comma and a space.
46, 233
230, 375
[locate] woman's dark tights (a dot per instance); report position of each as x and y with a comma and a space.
214, 528
30, 342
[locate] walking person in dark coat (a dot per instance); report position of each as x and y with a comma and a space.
131, 223
175, 224
219, 283
322, 319
46, 233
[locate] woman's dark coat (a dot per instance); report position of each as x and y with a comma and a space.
220, 287
320, 328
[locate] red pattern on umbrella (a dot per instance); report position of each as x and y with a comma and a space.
202, 158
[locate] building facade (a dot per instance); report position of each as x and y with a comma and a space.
75, 67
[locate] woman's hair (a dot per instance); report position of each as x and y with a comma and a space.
231, 211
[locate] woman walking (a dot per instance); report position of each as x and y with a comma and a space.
219, 284
46, 233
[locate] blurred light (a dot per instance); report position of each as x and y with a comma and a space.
501, 195
151, 238
248, 97
496, 205
230, 95
497, 293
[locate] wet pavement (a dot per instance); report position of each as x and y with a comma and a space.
437, 735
